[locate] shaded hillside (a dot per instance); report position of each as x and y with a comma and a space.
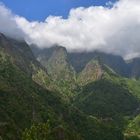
79, 60
22, 56
111, 98
26, 105
106, 99
23, 103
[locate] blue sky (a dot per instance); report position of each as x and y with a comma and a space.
40, 9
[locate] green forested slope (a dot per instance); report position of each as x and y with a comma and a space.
29, 111
96, 103
23, 103
106, 99
113, 99
133, 129
22, 100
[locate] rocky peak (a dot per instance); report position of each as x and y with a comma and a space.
92, 72
22, 56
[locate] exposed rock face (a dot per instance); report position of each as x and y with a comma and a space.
61, 72
93, 71
22, 56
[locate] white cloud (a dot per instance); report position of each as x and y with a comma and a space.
113, 30
8, 24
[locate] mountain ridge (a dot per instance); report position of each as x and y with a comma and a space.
79, 60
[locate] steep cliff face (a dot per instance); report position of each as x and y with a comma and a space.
93, 71
63, 75
20, 52
61, 72
22, 56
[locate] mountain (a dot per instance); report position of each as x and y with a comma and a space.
61, 71
129, 69
91, 72
30, 111
106, 99
110, 97
56, 95
63, 75
104, 93
106, 85
78, 60
20, 52
23, 58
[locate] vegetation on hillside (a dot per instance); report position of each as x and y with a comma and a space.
54, 102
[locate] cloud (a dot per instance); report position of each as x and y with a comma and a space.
111, 29
8, 24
